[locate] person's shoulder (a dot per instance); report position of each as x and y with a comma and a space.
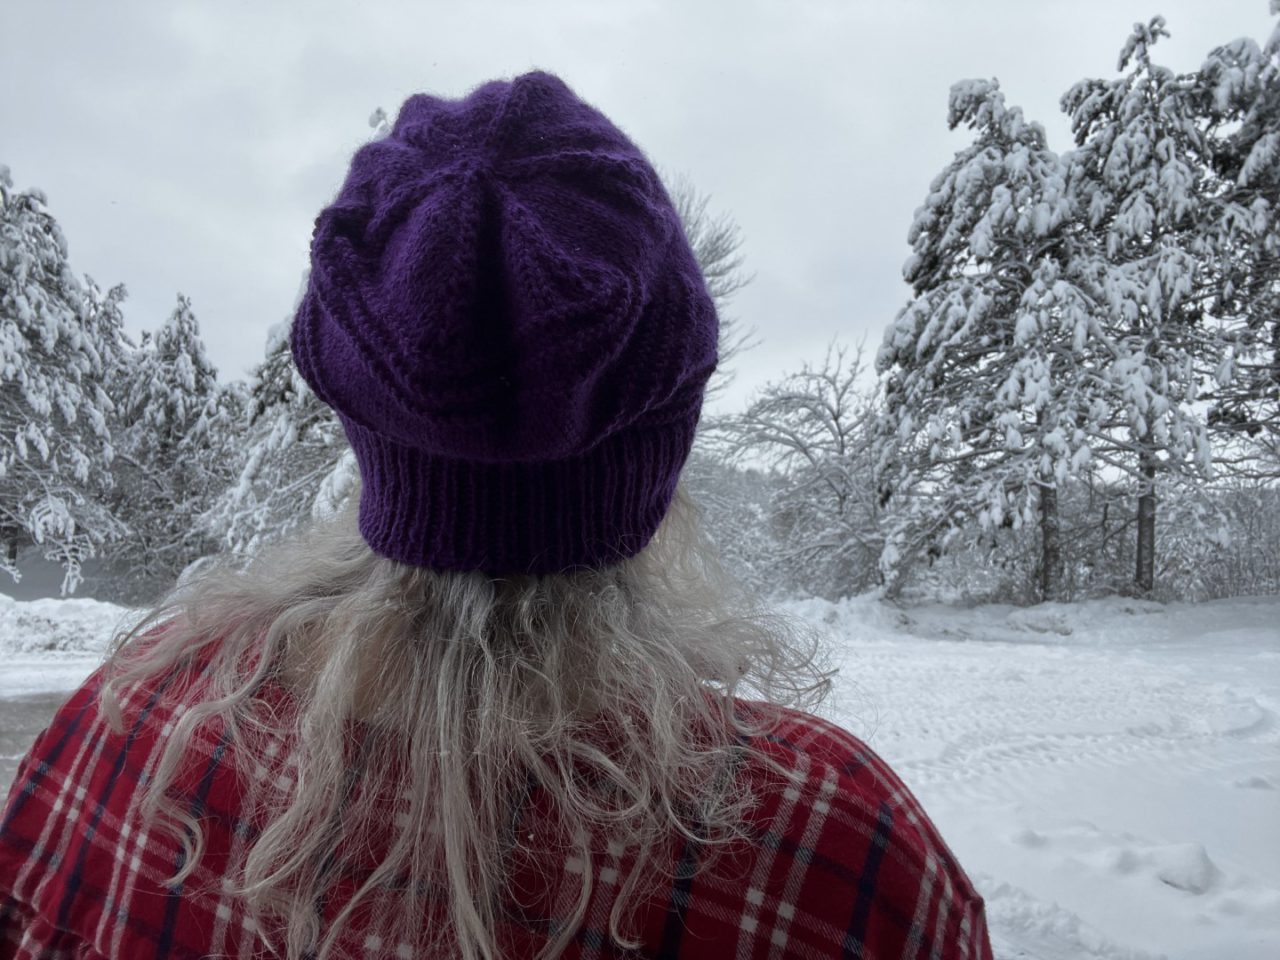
73, 838
75, 720
862, 855
88, 761
865, 784
90, 740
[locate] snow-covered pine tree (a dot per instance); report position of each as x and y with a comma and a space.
987, 380
171, 387
291, 460
295, 464
1239, 102
167, 464
1139, 175
56, 340
104, 319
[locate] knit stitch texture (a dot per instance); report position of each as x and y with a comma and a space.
506, 315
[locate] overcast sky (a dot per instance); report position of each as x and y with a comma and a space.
188, 146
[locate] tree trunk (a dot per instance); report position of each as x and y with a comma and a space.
1144, 578
1050, 544
10, 537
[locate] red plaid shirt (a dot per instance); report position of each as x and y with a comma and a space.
846, 865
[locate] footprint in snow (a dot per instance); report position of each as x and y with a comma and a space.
1185, 866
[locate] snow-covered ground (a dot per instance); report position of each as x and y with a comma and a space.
50, 646
1108, 773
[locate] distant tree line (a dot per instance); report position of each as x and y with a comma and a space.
1081, 396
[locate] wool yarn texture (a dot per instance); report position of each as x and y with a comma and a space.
506, 316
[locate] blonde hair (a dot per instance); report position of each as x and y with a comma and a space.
469, 685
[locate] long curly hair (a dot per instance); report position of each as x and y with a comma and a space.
465, 687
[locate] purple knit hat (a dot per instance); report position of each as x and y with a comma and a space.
506, 315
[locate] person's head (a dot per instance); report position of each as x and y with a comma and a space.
506, 316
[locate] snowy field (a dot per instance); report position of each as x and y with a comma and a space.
1109, 773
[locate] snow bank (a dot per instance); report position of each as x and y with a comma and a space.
1111, 622
67, 627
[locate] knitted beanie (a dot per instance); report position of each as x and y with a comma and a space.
506, 315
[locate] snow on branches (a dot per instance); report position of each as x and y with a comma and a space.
296, 463
987, 401
176, 432
811, 429
1239, 99
1083, 312
57, 337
